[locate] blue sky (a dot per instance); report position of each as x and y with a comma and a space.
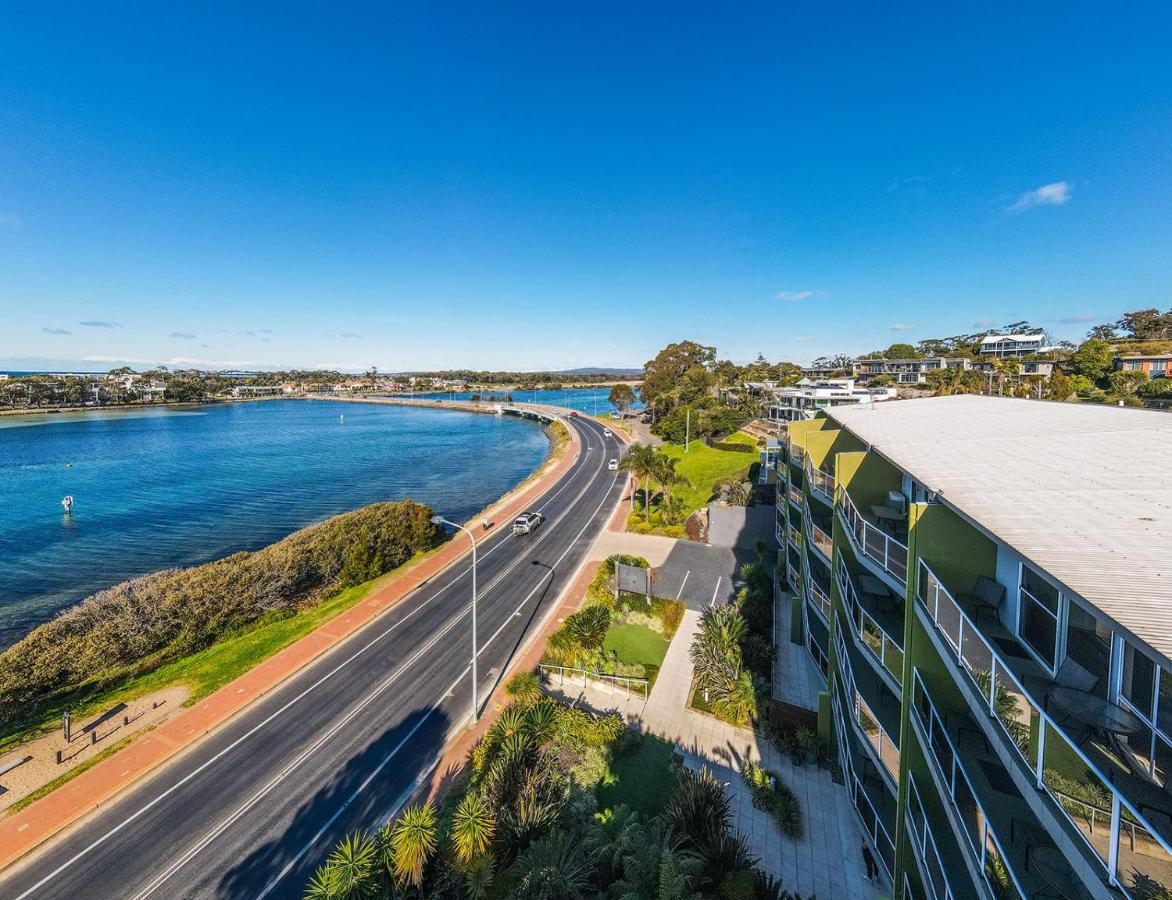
555, 185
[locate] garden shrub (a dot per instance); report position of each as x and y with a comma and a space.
142, 623
524, 687
733, 447
773, 796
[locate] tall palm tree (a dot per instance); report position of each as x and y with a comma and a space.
667, 476
472, 827
413, 842
641, 462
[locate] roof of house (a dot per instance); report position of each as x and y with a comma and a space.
994, 338
1138, 356
1082, 491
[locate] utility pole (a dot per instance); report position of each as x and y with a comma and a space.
687, 429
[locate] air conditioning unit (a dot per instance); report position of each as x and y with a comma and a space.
897, 500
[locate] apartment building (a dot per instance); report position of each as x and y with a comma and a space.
985, 585
1015, 344
909, 371
808, 397
1156, 366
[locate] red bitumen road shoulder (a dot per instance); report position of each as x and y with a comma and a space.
22, 831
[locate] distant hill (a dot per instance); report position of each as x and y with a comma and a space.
625, 373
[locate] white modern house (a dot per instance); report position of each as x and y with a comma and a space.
806, 398
1015, 344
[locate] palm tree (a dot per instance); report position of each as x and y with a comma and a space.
556, 867
740, 701
641, 462
588, 626
667, 476
412, 842
716, 649
472, 827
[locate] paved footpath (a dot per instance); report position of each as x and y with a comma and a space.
827, 862
22, 831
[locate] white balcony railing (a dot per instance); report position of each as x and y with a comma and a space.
820, 481
868, 815
884, 647
872, 542
1140, 855
795, 537
883, 749
932, 868
795, 495
980, 839
796, 455
819, 599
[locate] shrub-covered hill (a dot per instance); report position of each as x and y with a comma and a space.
139, 624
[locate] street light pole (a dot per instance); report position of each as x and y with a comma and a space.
440, 520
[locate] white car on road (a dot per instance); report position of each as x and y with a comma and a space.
613, 465
527, 523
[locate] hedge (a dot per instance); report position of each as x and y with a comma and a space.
733, 446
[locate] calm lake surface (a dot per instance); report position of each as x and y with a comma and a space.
587, 400
175, 487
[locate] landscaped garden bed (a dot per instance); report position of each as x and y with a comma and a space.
627, 635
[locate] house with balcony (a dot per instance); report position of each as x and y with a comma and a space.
908, 371
1015, 344
1157, 365
995, 638
808, 397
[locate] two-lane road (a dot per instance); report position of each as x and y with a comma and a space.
250, 810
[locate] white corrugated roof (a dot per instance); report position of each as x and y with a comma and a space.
1083, 491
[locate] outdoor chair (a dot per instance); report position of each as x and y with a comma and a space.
987, 596
1072, 675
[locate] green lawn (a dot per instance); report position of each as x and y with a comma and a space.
704, 466
643, 780
635, 644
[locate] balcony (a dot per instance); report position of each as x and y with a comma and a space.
796, 455
933, 865
818, 596
878, 545
821, 482
819, 537
1087, 791
875, 621
869, 707
795, 536
795, 495
983, 804
869, 794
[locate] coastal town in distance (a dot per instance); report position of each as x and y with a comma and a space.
533, 453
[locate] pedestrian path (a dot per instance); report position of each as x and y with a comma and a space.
827, 862
796, 680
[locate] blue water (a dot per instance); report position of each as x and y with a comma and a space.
174, 487
587, 400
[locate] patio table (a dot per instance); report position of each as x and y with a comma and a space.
1093, 710
1051, 866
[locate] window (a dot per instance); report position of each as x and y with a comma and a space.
1159, 368
1039, 615
1088, 643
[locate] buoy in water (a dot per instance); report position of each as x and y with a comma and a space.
67, 502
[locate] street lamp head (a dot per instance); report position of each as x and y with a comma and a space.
437, 520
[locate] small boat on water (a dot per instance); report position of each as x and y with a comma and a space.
67, 502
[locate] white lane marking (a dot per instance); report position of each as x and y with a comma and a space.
226, 823
714, 590
265, 722
682, 583
288, 867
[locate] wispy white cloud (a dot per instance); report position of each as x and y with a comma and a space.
10, 219
100, 323
350, 336
983, 323
802, 337
1078, 319
53, 329
1055, 194
182, 335
902, 326
264, 331
795, 296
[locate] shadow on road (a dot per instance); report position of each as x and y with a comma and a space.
253, 872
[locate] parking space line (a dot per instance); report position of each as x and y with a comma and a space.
714, 590
682, 583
